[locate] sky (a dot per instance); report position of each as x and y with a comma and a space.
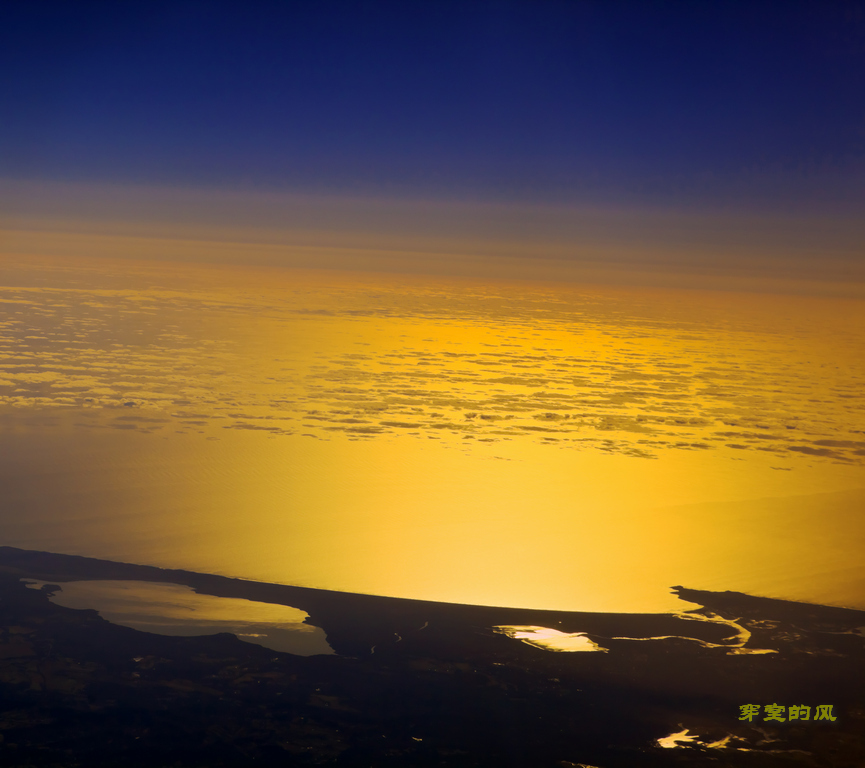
481, 361
699, 105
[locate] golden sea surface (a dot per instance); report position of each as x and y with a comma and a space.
554, 446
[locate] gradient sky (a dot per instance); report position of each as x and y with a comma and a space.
583, 437
755, 106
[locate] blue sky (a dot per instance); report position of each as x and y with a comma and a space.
757, 105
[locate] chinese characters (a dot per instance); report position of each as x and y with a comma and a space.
781, 714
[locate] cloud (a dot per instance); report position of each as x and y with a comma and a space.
623, 246
612, 372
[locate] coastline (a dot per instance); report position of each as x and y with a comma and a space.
423, 683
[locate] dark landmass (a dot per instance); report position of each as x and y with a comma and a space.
418, 683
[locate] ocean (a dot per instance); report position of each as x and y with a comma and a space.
578, 448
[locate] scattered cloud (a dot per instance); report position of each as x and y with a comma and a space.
579, 369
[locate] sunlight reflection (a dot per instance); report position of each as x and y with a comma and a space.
550, 639
174, 609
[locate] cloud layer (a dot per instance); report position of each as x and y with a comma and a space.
193, 349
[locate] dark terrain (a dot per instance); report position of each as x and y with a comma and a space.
440, 689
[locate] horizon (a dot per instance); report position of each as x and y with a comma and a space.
576, 239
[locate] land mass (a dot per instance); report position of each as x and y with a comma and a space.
418, 683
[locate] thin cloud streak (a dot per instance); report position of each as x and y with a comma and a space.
664, 247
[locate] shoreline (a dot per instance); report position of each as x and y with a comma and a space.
330, 609
420, 683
